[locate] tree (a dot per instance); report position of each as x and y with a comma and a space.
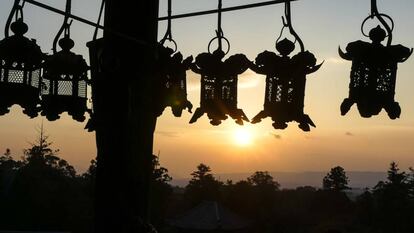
8, 169
161, 191
336, 180
203, 185
263, 179
392, 198
411, 183
7, 163
159, 173
41, 154
46, 192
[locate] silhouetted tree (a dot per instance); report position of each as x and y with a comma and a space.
392, 199
365, 209
336, 180
239, 197
410, 182
161, 191
263, 179
203, 185
8, 168
46, 193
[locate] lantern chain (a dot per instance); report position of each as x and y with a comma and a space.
379, 16
219, 32
65, 28
288, 24
16, 9
168, 35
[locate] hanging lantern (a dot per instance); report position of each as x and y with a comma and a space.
20, 68
172, 85
65, 81
65, 84
374, 71
285, 81
219, 82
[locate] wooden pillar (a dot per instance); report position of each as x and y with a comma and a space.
125, 122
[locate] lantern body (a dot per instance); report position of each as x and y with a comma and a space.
373, 76
285, 87
219, 86
171, 82
65, 86
20, 72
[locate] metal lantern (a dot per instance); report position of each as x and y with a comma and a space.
65, 83
172, 87
65, 78
20, 71
285, 85
219, 86
171, 76
374, 71
219, 81
285, 81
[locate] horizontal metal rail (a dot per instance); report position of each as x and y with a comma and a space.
186, 15
227, 9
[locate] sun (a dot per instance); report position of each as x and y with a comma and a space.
242, 136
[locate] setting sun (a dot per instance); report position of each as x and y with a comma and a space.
242, 136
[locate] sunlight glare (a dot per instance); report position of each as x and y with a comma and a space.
242, 136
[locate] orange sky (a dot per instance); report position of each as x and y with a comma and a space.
350, 141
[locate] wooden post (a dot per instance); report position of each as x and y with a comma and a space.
125, 123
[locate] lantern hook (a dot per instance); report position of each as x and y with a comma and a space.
380, 16
168, 35
219, 32
15, 11
287, 23
65, 28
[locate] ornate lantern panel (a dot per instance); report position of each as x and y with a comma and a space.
285, 85
172, 86
65, 84
219, 86
373, 75
20, 71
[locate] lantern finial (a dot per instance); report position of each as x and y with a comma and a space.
377, 34
285, 47
19, 27
66, 43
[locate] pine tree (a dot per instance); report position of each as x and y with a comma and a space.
336, 180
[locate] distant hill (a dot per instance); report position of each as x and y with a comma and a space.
289, 180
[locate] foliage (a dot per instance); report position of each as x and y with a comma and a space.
203, 185
161, 191
393, 206
43, 192
336, 180
263, 179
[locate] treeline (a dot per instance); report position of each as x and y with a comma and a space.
43, 192
387, 207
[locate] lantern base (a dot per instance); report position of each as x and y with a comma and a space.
369, 108
54, 105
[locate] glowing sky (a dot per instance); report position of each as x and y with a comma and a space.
350, 141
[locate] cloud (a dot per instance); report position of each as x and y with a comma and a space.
336, 60
276, 136
167, 134
349, 134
